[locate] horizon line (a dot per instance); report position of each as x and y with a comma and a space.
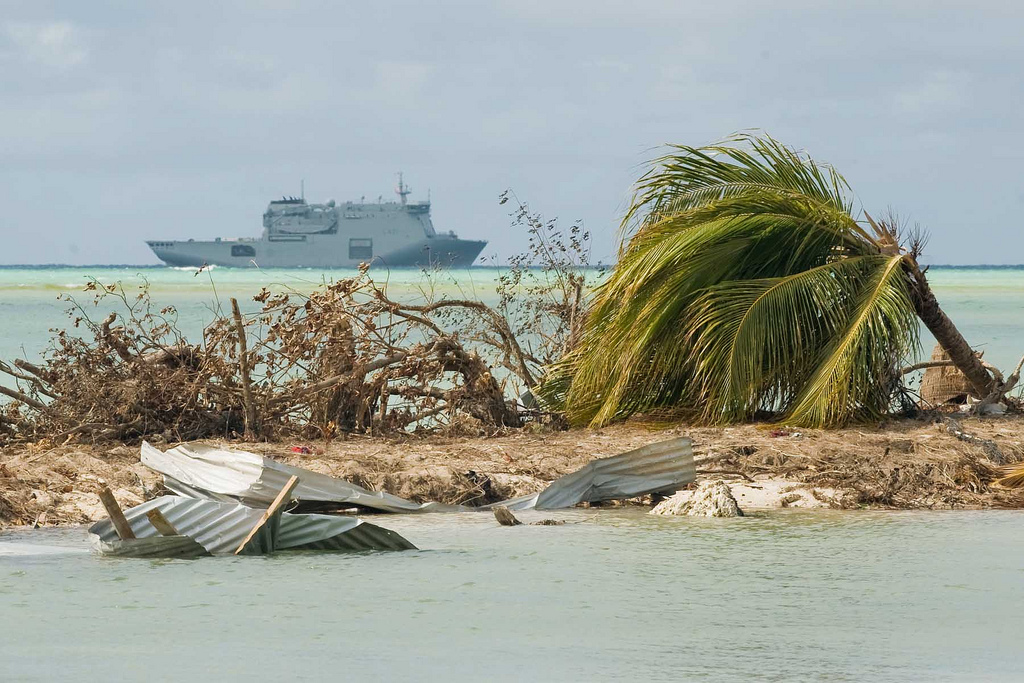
11, 266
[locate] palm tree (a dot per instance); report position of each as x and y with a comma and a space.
746, 287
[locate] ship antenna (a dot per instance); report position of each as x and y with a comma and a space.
302, 189
402, 191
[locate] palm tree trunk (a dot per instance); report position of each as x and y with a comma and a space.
948, 336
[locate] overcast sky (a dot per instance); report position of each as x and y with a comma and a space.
121, 122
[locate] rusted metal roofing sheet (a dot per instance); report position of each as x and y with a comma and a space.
203, 472
220, 527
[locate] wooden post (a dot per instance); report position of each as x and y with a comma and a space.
281, 499
160, 523
251, 428
121, 525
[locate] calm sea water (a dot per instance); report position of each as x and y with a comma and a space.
987, 304
618, 596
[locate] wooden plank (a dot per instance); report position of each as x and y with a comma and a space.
281, 499
160, 523
121, 525
251, 426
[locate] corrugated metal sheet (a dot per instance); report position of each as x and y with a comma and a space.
220, 527
662, 467
199, 471
180, 547
203, 472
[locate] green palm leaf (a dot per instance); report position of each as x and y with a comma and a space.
744, 285
855, 376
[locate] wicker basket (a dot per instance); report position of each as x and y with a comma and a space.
945, 384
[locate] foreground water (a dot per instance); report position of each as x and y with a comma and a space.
987, 304
617, 595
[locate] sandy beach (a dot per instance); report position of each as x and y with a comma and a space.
903, 465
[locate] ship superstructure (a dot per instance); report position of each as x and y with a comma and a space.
331, 235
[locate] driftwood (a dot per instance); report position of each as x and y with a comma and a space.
24, 398
345, 358
990, 447
505, 516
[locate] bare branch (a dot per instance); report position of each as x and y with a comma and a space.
27, 400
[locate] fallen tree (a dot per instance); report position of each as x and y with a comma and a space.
747, 288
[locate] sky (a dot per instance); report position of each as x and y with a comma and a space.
127, 121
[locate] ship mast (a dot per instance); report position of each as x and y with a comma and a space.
402, 191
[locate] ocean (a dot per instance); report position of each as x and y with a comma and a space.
986, 303
614, 595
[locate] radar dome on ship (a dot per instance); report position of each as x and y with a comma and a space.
330, 203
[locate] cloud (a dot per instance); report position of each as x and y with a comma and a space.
560, 99
402, 80
939, 91
57, 44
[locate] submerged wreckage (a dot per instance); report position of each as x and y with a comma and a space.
233, 502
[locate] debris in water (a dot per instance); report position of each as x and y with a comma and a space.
232, 502
710, 499
220, 528
505, 517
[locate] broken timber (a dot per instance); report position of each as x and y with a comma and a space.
170, 544
271, 516
160, 523
124, 529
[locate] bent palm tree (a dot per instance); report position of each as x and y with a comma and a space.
747, 287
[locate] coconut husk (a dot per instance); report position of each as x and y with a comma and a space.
944, 384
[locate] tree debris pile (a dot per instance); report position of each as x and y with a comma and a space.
343, 359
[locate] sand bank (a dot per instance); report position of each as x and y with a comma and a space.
907, 464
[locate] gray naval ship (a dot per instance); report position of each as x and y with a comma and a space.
296, 233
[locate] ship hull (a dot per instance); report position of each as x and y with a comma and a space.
438, 251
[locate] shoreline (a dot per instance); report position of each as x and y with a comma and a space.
908, 464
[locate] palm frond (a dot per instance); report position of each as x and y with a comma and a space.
758, 340
742, 165
744, 285
856, 374
1013, 477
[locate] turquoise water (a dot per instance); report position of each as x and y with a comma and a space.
987, 304
618, 596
